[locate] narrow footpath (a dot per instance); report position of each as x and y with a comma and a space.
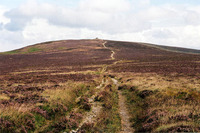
124, 114
123, 111
96, 107
112, 52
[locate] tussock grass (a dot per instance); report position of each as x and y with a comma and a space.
41, 117
164, 127
15, 118
14, 111
153, 81
172, 104
58, 94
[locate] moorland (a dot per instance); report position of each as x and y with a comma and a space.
99, 86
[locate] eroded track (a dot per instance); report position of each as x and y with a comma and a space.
123, 111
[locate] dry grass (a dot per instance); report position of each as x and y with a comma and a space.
4, 97
172, 103
37, 98
15, 111
164, 127
124, 61
154, 81
58, 94
64, 93
59, 102
32, 71
76, 72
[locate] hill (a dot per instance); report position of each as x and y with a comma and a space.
175, 49
99, 86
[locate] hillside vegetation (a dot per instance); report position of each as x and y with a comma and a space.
99, 86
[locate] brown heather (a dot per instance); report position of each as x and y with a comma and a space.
67, 86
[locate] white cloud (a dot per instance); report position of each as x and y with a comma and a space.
3, 19
111, 6
192, 17
33, 33
112, 17
10, 40
132, 20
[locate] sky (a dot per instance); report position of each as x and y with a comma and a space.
163, 22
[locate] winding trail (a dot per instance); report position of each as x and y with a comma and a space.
123, 111
112, 52
91, 116
104, 44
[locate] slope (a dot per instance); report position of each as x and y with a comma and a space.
97, 86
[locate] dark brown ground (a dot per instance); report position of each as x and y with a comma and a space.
145, 59
84, 54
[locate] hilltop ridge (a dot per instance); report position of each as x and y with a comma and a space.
60, 45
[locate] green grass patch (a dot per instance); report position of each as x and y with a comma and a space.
11, 52
61, 48
33, 49
39, 121
30, 50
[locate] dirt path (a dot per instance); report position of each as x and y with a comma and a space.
90, 117
104, 44
112, 52
112, 55
125, 117
123, 111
